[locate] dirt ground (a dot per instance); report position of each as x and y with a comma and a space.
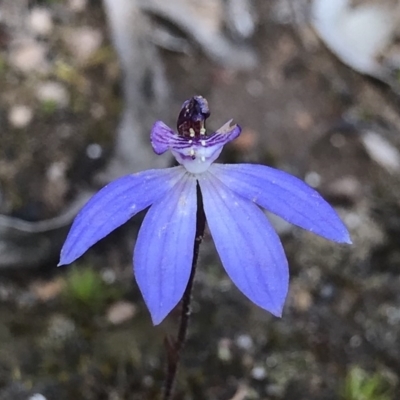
82, 332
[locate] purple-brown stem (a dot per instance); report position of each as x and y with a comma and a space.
174, 349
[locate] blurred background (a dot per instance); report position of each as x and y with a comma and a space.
315, 87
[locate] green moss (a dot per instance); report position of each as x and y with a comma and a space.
361, 385
70, 75
86, 292
48, 107
102, 56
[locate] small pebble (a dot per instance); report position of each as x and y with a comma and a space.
77, 5
53, 92
148, 381
56, 171
108, 276
40, 21
271, 361
49, 290
29, 56
303, 120
20, 116
254, 88
337, 140
244, 342
83, 42
301, 298
313, 179
121, 312
37, 396
241, 18
60, 328
352, 220
355, 341
94, 151
259, 373
97, 111
346, 187
393, 315
327, 291
382, 151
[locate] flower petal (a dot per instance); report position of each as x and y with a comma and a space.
164, 248
284, 195
197, 154
225, 134
250, 249
162, 138
115, 204
195, 151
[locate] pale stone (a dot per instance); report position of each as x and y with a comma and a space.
29, 56
53, 92
120, 312
357, 35
381, 151
37, 396
20, 116
77, 5
49, 290
40, 21
83, 42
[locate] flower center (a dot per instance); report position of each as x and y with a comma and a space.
192, 118
192, 146
191, 126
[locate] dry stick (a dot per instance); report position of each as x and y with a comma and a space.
174, 349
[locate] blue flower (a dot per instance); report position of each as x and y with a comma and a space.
249, 248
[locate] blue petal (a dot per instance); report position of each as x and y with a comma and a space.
115, 204
250, 249
164, 248
284, 195
162, 138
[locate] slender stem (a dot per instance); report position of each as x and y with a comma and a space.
174, 349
